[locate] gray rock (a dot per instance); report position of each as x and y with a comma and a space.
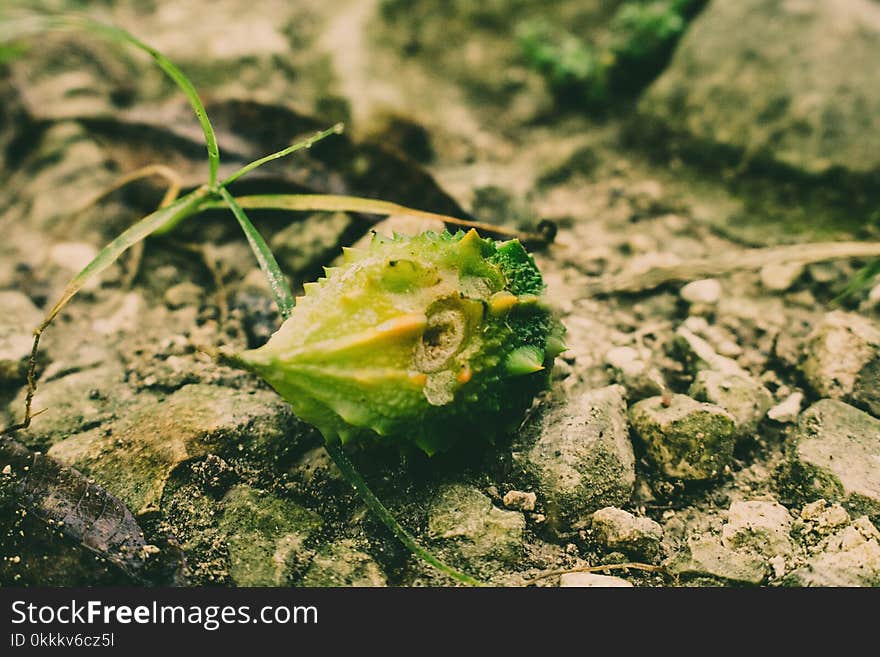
850, 558
184, 294
842, 359
821, 518
699, 355
72, 256
635, 372
343, 563
579, 456
771, 78
687, 439
835, 455
706, 292
760, 527
466, 527
519, 500
581, 580
707, 557
787, 411
780, 276
824, 272
135, 455
74, 403
743, 396
617, 529
264, 536
18, 319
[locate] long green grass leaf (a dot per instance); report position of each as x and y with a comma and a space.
340, 203
183, 207
278, 286
375, 505
861, 280
306, 143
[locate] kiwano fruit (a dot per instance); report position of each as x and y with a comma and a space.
426, 340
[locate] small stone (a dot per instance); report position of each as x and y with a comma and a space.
851, 558
464, 525
814, 510
834, 516
72, 256
343, 563
787, 411
744, 397
780, 276
760, 527
578, 580
708, 557
704, 292
265, 536
842, 359
520, 501
824, 272
686, 439
617, 529
697, 354
834, 454
635, 373
184, 294
578, 457
18, 319
135, 455
777, 563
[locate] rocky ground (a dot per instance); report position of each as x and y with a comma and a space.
714, 421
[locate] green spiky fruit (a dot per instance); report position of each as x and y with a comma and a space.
424, 339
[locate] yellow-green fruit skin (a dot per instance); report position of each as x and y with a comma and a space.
427, 340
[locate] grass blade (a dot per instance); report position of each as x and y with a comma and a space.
339, 203
375, 505
181, 208
280, 290
32, 24
306, 143
861, 280
176, 211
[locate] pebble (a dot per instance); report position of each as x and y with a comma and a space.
758, 526
631, 369
787, 411
72, 256
466, 527
704, 292
520, 501
709, 558
577, 456
581, 580
741, 395
17, 322
779, 277
184, 294
685, 438
842, 359
616, 529
834, 455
